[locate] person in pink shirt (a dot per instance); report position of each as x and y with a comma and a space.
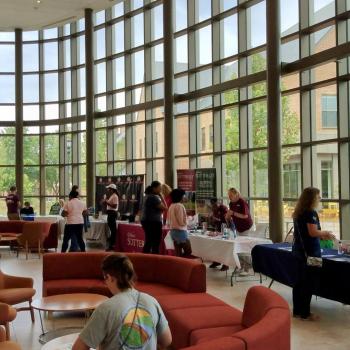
177, 221
74, 210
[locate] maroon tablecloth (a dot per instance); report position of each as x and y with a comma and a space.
131, 238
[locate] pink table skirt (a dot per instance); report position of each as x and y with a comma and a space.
131, 239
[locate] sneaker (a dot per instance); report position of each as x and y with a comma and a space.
243, 274
224, 268
214, 265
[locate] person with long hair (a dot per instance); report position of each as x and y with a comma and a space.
112, 202
128, 320
177, 220
151, 220
307, 235
166, 193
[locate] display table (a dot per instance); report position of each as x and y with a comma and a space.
78, 302
277, 262
98, 231
131, 238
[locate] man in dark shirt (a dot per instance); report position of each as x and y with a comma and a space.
13, 204
27, 209
218, 214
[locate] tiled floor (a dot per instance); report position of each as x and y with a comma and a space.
332, 332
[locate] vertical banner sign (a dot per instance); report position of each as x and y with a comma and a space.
205, 189
186, 180
130, 190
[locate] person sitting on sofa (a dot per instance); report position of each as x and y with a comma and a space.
27, 209
128, 320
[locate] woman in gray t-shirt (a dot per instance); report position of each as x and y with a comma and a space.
151, 219
128, 320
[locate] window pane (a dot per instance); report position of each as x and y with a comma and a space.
31, 150
137, 30
138, 67
51, 87
7, 58
256, 24
31, 181
289, 16
231, 129
203, 42
7, 150
51, 149
100, 43
259, 174
229, 33
181, 60
30, 57
157, 22
203, 10
180, 14
31, 88
50, 56
7, 89
118, 31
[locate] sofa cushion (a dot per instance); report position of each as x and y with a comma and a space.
226, 343
188, 300
157, 289
206, 334
184, 321
72, 286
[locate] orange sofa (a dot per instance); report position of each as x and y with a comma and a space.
198, 320
15, 227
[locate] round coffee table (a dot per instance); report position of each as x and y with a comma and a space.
62, 343
77, 302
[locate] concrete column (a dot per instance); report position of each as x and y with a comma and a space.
274, 120
169, 158
19, 111
89, 80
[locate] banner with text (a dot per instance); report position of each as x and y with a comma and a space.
186, 179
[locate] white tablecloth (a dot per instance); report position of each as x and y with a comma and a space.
98, 231
223, 251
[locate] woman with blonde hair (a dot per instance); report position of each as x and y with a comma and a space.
307, 235
166, 192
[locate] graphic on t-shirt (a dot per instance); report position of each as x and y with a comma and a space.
136, 335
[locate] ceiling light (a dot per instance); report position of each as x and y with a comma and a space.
38, 1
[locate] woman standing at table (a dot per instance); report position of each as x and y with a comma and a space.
112, 202
151, 219
177, 220
307, 235
239, 216
74, 210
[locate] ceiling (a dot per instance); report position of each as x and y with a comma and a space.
31, 15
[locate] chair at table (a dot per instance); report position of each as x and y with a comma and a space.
15, 290
5, 344
261, 230
7, 315
31, 238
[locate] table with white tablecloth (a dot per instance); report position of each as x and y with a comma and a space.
224, 251
98, 231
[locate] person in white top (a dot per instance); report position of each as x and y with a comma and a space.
112, 202
74, 210
177, 221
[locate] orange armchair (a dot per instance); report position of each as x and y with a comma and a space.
7, 315
32, 238
7, 345
15, 290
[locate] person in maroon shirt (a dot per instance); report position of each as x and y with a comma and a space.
13, 204
239, 214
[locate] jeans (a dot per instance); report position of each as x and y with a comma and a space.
153, 236
112, 224
72, 232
